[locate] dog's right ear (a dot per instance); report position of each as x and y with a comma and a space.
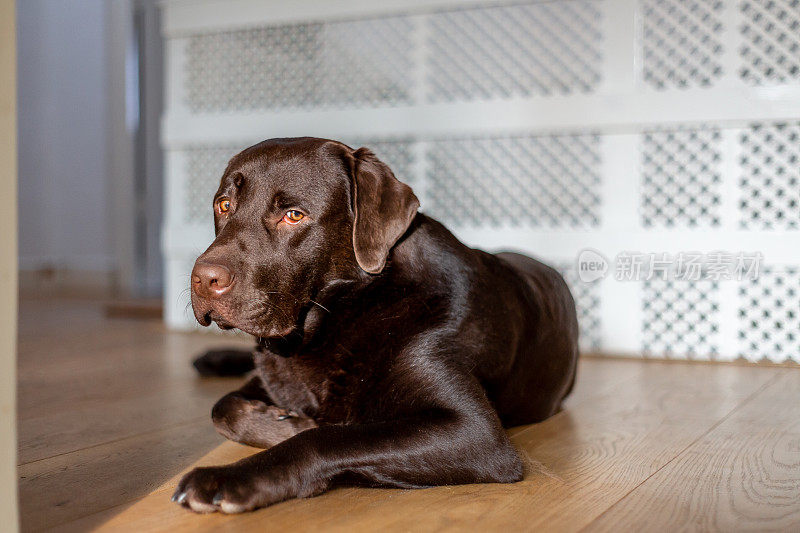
383, 208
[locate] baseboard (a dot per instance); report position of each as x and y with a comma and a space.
66, 282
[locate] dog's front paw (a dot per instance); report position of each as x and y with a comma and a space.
223, 488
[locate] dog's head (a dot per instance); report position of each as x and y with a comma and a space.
294, 217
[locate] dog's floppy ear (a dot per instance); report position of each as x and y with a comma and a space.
383, 207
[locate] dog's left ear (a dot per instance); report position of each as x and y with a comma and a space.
383, 207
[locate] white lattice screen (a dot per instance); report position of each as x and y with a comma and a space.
653, 126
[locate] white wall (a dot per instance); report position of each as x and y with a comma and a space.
63, 208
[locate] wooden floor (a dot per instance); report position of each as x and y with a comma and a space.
111, 413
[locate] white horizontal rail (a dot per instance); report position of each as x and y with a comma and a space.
623, 113
778, 247
184, 17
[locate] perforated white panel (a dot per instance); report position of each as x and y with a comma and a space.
550, 127
548, 180
398, 153
769, 186
680, 318
204, 167
352, 63
681, 42
587, 303
681, 178
542, 48
769, 316
770, 49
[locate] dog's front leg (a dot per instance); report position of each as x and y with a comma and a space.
249, 416
438, 447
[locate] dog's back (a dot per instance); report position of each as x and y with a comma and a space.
545, 367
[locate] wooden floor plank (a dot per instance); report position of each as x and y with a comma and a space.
744, 475
131, 371
600, 376
112, 414
111, 419
79, 390
66, 487
592, 453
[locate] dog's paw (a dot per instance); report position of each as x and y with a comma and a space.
224, 363
224, 488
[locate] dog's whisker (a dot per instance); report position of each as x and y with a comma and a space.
320, 305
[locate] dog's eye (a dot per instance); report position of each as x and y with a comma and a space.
224, 205
293, 217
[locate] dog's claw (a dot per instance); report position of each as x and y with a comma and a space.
217, 499
179, 497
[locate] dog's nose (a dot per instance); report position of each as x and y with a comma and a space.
210, 280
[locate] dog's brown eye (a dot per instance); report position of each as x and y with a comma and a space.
224, 205
293, 217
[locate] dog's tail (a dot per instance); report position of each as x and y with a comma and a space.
225, 362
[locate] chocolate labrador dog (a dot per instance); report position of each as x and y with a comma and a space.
389, 353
